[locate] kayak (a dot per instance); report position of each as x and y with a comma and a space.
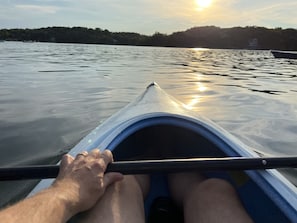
284, 54
157, 126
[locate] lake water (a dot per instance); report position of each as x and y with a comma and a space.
52, 95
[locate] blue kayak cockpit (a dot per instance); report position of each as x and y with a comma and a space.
168, 136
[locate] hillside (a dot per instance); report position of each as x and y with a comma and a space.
207, 36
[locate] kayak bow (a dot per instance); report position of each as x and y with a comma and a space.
157, 126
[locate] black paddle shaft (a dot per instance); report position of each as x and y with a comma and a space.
201, 164
158, 166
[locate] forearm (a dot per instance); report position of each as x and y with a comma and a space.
47, 206
79, 185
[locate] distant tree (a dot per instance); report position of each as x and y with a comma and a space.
159, 39
205, 36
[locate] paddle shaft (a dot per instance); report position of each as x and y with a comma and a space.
158, 166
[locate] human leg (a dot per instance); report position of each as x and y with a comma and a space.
207, 200
121, 203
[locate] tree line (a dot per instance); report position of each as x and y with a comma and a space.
250, 37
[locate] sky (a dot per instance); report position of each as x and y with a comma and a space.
147, 16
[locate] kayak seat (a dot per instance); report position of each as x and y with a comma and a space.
163, 210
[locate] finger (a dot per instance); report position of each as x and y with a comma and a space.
106, 155
111, 178
95, 153
81, 155
66, 160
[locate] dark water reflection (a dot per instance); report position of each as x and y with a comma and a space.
51, 95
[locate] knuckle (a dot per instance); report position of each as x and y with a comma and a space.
96, 150
108, 155
99, 165
66, 155
66, 158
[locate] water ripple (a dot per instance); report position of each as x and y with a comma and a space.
53, 94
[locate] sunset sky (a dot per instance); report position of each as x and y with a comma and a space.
147, 16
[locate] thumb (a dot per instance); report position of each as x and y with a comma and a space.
110, 178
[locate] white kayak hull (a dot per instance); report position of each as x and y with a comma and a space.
266, 194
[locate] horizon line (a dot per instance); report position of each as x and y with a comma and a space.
94, 28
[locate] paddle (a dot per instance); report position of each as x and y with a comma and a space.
158, 166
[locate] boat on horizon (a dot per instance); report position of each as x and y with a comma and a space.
284, 54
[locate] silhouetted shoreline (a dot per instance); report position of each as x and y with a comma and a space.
250, 37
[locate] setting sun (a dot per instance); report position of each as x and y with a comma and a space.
203, 3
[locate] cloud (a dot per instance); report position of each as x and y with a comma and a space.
240, 13
38, 8
273, 15
147, 16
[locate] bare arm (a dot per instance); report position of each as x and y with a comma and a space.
80, 183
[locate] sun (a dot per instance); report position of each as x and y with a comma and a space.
202, 4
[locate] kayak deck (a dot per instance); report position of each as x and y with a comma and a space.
157, 126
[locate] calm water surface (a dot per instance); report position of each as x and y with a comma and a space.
52, 95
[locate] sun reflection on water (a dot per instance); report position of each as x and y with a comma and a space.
199, 88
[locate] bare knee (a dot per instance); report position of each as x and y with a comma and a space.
211, 190
214, 185
121, 200
133, 185
215, 200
